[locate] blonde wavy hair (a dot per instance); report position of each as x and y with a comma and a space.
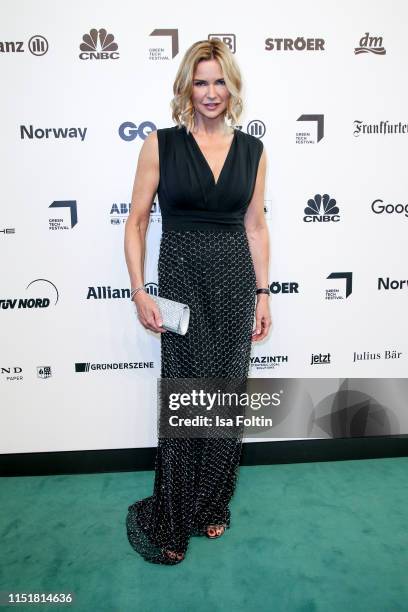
181, 104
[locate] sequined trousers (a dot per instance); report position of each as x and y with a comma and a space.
195, 478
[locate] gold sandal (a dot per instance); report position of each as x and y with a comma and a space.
173, 556
215, 529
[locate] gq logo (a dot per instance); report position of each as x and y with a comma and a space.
129, 131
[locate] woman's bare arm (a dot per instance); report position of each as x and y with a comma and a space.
256, 227
258, 239
144, 190
143, 193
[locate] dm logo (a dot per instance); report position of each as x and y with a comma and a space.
98, 44
370, 44
322, 208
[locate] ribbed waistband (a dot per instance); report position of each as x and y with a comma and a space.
220, 225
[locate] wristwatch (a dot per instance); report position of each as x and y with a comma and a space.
263, 290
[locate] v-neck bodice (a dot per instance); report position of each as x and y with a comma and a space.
205, 161
188, 195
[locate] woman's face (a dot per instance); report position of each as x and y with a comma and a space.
210, 94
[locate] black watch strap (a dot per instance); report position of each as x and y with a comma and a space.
263, 290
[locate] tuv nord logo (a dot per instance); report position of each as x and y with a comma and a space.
321, 208
99, 45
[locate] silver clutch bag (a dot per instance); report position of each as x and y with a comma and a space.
175, 315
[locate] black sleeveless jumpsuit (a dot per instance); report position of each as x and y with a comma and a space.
205, 262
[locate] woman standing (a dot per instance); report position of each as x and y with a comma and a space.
214, 253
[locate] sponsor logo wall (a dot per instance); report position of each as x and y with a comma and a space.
81, 92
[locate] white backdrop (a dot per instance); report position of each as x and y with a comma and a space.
95, 109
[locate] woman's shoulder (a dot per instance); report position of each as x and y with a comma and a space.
252, 141
168, 134
170, 130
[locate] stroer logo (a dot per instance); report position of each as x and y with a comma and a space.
321, 208
99, 45
284, 287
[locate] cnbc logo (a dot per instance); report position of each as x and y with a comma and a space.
321, 209
99, 45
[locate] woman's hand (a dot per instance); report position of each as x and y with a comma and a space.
148, 312
263, 318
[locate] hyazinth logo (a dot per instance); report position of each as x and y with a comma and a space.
98, 44
370, 44
321, 208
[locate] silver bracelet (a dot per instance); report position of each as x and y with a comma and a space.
134, 291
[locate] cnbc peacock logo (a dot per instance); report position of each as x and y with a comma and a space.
98, 45
321, 209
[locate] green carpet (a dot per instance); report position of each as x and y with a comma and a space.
305, 537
